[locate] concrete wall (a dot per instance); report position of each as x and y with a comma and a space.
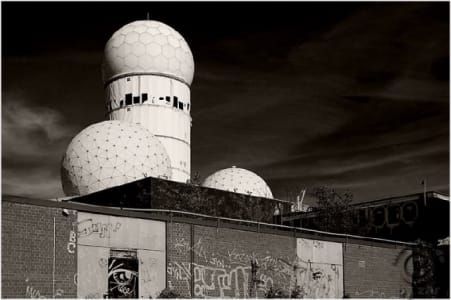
104, 240
319, 269
34, 247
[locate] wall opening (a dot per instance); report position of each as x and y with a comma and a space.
123, 274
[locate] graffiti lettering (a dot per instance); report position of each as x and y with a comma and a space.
179, 271
88, 227
211, 279
183, 246
32, 292
236, 257
227, 273
71, 245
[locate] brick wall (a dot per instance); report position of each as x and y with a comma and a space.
27, 252
222, 261
215, 262
179, 258
377, 272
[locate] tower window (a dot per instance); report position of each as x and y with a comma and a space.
187, 106
181, 105
144, 97
121, 103
136, 99
168, 99
175, 102
128, 78
128, 99
161, 98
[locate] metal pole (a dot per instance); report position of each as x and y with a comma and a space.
54, 256
424, 191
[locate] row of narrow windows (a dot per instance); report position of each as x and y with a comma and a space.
130, 99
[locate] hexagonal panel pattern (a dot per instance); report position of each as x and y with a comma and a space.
239, 181
148, 46
112, 153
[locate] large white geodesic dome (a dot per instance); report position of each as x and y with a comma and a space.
112, 153
148, 47
238, 180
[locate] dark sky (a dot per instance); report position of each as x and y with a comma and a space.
350, 95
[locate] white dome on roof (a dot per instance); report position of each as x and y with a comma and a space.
112, 153
239, 181
148, 47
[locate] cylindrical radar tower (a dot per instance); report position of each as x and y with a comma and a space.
147, 71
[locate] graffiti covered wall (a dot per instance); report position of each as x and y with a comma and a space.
221, 265
319, 269
179, 258
119, 256
222, 262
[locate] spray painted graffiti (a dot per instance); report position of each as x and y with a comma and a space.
103, 262
227, 272
32, 292
209, 280
87, 227
236, 257
72, 244
123, 278
179, 271
182, 246
220, 280
317, 280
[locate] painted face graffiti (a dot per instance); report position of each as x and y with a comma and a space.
123, 277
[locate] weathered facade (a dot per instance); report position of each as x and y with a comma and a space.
422, 216
62, 249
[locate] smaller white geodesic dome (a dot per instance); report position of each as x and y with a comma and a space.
112, 153
238, 180
147, 47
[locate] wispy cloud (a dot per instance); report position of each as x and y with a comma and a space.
33, 142
357, 105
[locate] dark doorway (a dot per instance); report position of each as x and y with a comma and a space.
123, 274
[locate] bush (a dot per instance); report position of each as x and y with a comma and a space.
276, 293
168, 293
298, 292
